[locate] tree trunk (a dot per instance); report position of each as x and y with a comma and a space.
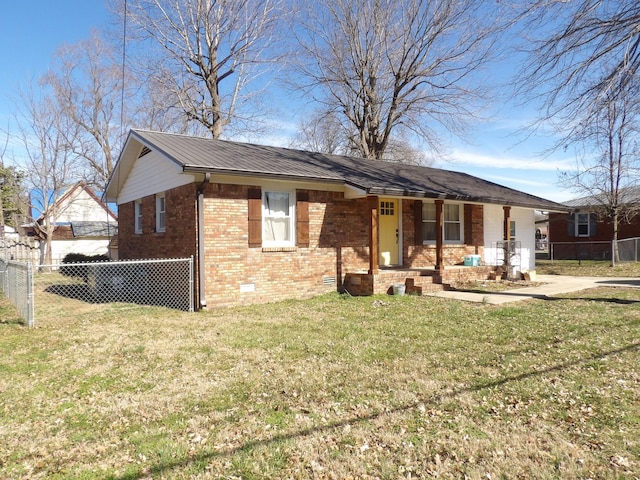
615, 256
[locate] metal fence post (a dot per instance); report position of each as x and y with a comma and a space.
191, 284
31, 321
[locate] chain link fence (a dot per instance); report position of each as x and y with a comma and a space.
16, 283
163, 283
628, 250
580, 251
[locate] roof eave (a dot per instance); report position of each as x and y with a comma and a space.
198, 169
466, 198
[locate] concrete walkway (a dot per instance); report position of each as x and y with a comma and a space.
552, 285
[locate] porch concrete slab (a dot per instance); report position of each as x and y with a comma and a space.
551, 285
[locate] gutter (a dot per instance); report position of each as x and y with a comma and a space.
202, 300
259, 174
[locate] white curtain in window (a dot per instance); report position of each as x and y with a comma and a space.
276, 219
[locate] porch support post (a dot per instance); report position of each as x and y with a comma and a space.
374, 248
439, 235
507, 223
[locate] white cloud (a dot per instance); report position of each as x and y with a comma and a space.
462, 157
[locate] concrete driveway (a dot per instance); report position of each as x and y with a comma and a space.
552, 285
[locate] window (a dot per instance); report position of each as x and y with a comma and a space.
429, 222
387, 208
160, 213
512, 230
452, 224
452, 218
582, 225
138, 216
277, 219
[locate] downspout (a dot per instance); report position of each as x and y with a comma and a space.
200, 226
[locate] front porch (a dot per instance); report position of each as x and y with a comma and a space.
416, 280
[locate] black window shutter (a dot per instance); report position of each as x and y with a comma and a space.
254, 197
302, 218
571, 225
417, 218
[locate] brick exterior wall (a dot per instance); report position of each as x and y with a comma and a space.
236, 274
559, 229
421, 256
179, 239
569, 247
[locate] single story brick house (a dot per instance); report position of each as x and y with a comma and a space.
267, 223
584, 231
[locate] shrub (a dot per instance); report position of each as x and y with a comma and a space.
79, 271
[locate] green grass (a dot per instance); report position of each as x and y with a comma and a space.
333, 387
587, 268
8, 313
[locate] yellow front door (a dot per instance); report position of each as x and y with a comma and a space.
389, 231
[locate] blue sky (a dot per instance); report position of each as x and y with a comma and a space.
30, 32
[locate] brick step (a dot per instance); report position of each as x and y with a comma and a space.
461, 275
430, 281
417, 282
421, 285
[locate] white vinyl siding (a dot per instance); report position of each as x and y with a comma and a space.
151, 174
494, 232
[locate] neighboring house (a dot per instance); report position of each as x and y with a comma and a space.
83, 224
266, 223
585, 232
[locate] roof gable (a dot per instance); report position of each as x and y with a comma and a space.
78, 203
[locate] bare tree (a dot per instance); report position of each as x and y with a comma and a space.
401, 150
390, 65
611, 130
570, 44
211, 51
50, 163
86, 79
321, 132
12, 204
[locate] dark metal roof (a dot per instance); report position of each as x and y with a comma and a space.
628, 196
375, 177
94, 229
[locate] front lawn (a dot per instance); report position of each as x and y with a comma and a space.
587, 268
334, 387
